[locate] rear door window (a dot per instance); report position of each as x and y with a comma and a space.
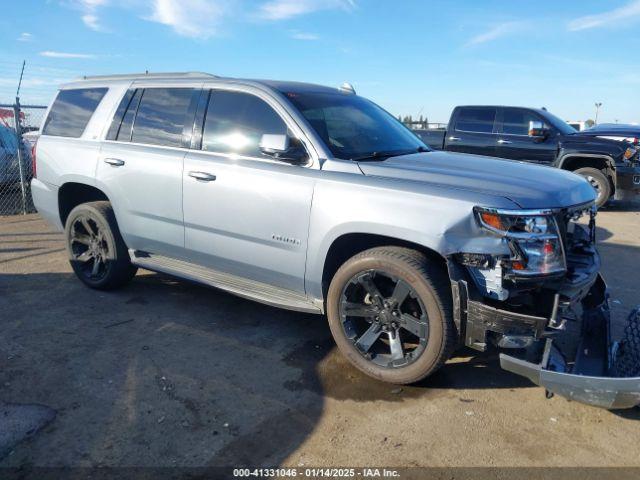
160, 117
114, 129
71, 111
236, 121
476, 119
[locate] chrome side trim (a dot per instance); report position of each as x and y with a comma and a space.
250, 289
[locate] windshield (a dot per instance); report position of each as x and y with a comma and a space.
559, 124
353, 127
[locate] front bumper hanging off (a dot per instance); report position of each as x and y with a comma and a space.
589, 378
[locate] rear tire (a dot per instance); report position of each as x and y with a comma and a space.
600, 183
97, 252
390, 313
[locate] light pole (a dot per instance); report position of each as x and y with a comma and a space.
598, 105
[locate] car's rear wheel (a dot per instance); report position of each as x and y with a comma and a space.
389, 311
97, 252
600, 183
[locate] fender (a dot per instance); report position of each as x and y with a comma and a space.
608, 158
611, 164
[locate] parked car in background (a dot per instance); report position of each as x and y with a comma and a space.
616, 131
9, 161
537, 136
31, 137
579, 125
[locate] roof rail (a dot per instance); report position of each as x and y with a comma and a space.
135, 76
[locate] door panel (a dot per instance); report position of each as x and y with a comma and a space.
244, 212
473, 131
146, 194
252, 220
513, 141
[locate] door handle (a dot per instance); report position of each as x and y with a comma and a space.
202, 176
503, 142
454, 139
114, 162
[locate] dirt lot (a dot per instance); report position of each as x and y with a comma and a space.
169, 373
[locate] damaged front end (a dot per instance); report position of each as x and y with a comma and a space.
546, 301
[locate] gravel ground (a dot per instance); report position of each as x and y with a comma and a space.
166, 373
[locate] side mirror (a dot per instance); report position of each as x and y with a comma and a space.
537, 130
282, 147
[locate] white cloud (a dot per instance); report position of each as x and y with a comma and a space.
190, 18
618, 16
283, 9
52, 54
25, 37
304, 36
494, 33
92, 21
89, 9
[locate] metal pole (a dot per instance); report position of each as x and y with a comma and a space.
16, 118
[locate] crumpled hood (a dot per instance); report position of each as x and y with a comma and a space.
528, 185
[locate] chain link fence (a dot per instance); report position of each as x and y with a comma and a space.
19, 126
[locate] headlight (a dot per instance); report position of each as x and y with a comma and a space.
629, 153
533, 238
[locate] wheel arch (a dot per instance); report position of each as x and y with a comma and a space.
347, 245
574, 161
72, 194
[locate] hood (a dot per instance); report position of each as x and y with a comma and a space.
530, 186
593, 143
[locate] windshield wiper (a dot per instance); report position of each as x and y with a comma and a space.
383, 155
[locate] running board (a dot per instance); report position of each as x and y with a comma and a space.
250, 289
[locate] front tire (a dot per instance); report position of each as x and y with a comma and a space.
627, 359
600, 183
97, 252
390, 313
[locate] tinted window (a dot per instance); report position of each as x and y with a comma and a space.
117, 118
123, 132
161, 116
476, 120
71, 111
562, 126
236, 121
352, 126
516, 121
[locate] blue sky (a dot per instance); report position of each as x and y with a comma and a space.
411, 57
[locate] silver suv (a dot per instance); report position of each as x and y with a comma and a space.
315, 199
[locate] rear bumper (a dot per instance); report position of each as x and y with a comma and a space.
45, 199
627, 180
586, 379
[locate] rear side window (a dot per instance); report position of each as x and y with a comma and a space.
474, 119
236, 121
160, 117
114, 129
71, 111
516, 121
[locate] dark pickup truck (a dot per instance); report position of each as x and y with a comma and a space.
537, 136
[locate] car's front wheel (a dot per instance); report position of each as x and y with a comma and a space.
390, 313
600, 183
97, 252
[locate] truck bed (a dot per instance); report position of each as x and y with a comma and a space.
433, 137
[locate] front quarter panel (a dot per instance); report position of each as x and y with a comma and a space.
437, 218
589, 147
